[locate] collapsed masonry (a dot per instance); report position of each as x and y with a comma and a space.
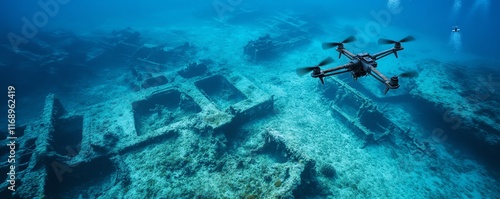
93, 151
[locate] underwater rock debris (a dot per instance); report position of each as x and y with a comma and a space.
154, 81
288, 31
88, 151
195, 68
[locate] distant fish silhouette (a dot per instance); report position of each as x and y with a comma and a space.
409, 74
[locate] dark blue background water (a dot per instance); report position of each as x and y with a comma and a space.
477, 18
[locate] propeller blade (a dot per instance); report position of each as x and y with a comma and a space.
328, 45
409, 74
349, 40
304, 70
386, 41
326, 61
408, 38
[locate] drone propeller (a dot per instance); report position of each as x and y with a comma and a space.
397, 44
328, 45
388, 41
304, 70
409, 74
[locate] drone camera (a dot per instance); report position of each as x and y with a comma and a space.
358, 73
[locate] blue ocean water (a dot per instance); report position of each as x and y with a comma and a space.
164, 98
477, 19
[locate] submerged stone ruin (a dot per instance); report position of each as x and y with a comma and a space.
169, 137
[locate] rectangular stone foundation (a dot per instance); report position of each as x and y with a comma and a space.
220, 91
162, 109
70, 141
359, 111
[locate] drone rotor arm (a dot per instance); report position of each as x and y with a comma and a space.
330, 72
384, 53
379, 76
345, 66
336, 73
346, 53
349, 55
389, 83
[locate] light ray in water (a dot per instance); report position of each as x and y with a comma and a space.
456, 41
457, 4
393, 4
481, 5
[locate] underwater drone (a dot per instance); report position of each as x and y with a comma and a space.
361, 64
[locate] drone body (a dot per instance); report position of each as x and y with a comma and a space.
360, 65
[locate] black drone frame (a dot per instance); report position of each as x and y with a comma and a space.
361, 64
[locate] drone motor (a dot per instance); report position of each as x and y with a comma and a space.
394, 82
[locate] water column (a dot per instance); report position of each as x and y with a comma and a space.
455, 39
457, 4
